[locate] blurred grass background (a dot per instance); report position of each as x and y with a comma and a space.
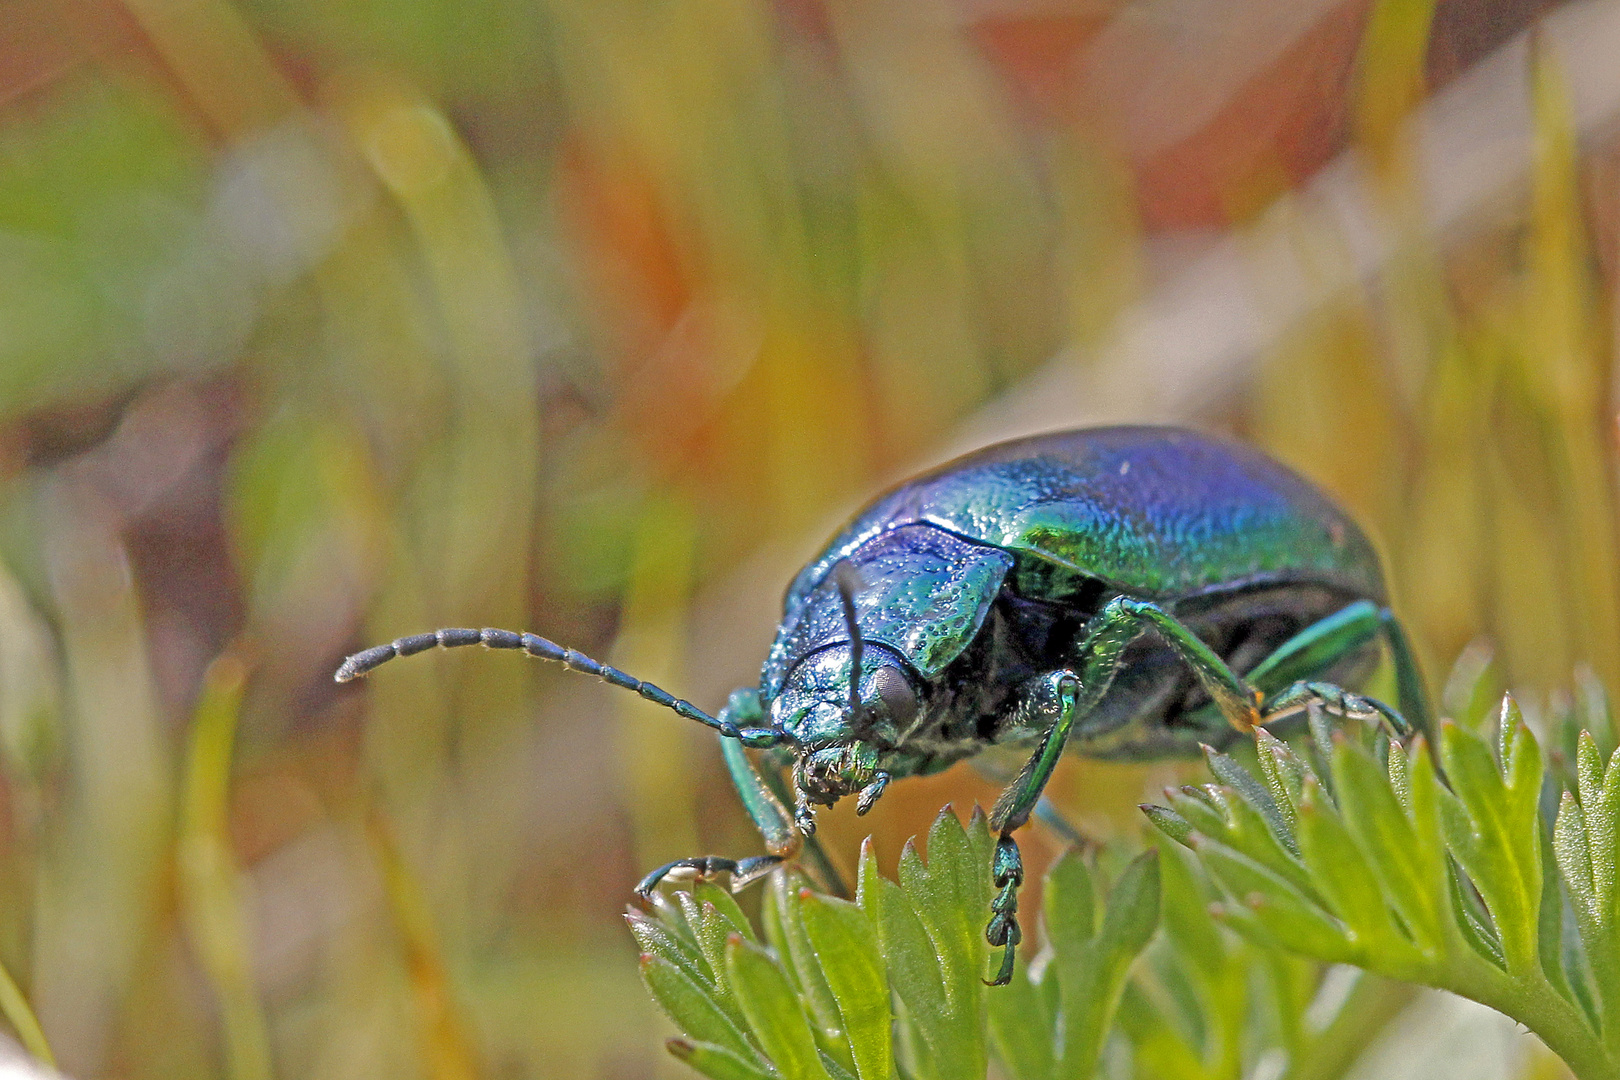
325, 322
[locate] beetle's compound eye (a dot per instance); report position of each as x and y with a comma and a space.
895, 692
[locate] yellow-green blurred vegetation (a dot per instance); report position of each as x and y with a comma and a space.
327, 322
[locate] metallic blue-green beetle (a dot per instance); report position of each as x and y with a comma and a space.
1122, 592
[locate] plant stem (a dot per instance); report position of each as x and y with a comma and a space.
1530, 999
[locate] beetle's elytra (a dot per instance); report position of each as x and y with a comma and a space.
1124, 591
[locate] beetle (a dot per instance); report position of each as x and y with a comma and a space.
1119, 591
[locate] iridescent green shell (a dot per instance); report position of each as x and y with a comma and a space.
1158, 513
925, 594
1162, 514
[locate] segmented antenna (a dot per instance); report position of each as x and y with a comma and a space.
361, 663
848, 580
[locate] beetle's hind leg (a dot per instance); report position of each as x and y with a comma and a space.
1290, 678
1301, 696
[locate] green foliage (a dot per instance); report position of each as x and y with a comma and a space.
1431, 868
893, 984
1288, 913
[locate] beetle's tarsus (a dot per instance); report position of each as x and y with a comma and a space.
751, 869
743, 872
1335, 699
1007, 870
871, 792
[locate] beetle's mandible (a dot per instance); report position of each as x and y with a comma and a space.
1121, 592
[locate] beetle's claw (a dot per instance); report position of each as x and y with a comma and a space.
748, 871
1009, 954
870, 793
805, 818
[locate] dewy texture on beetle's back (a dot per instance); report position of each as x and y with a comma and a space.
928, 596
1152, 512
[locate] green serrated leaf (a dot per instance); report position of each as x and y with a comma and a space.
1253, 793
653, 936
1092, 982
1021, 1028
1398, 768
1406, 864
1342, 875
1589, 771
1323, 730
982, 843
950, 898
670, 914
1291, 919
1497, 840
775, 1013
1554, 917
711, 928
800, 960
1523, 772
773, 922
1169, 822
725, 905
1474, 921
693, 1009
1184, 913
1575, 858
1283, 773
1069, 906
1603, 838
715, 1061
959, 877
851, 959
907, 951
1200, 808
1256, 837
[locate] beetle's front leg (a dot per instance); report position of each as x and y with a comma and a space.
770, 817
1054, 698
707, 868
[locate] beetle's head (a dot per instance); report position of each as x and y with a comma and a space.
842, 734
